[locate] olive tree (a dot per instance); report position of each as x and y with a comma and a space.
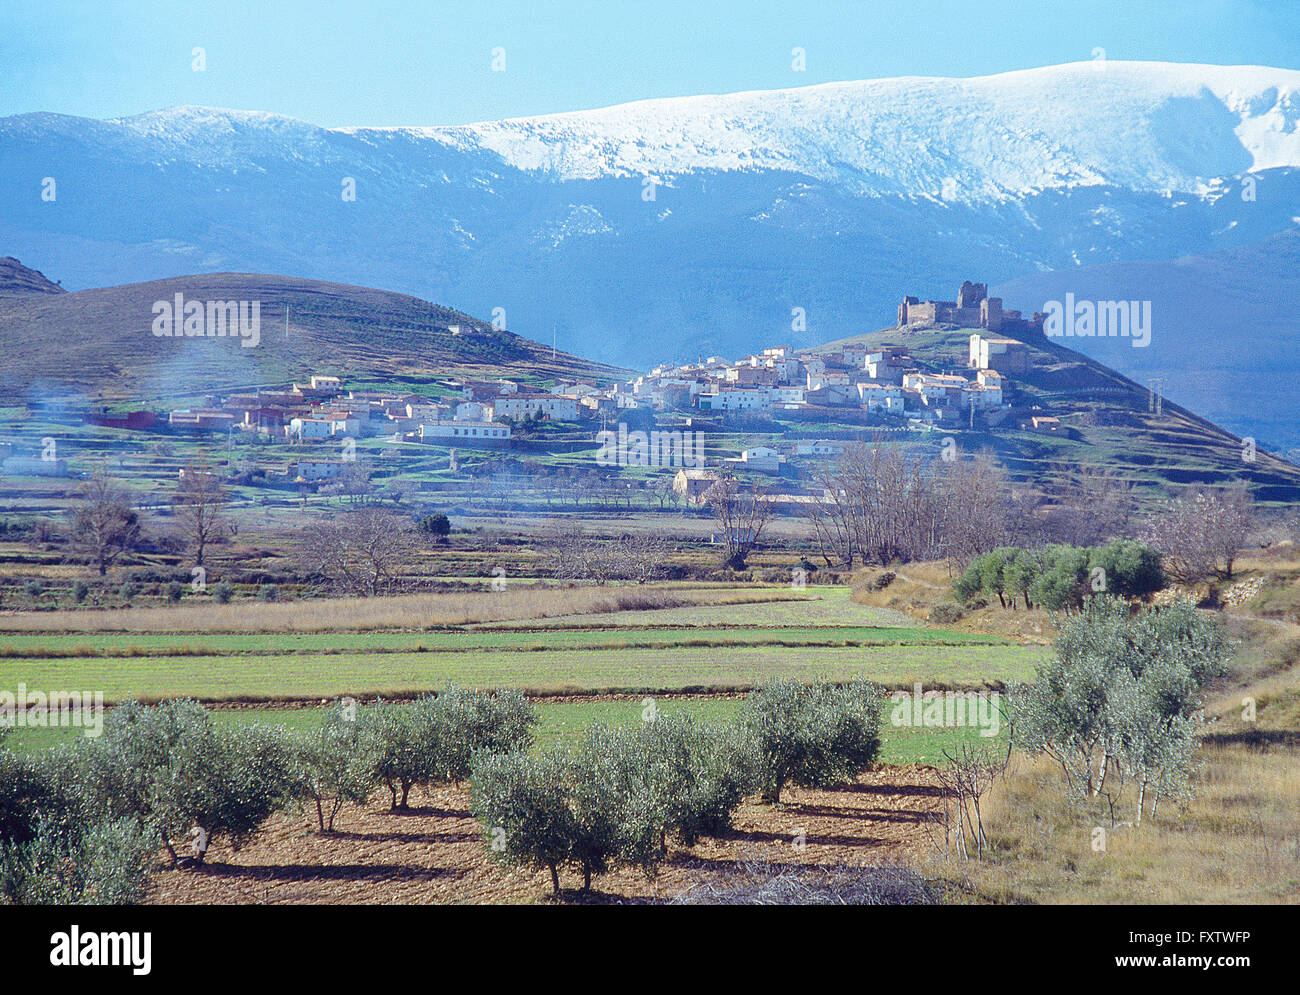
813, 736
700, 773
334, 765
523, 802
465, 722
169, 769
1121, 699
402, 742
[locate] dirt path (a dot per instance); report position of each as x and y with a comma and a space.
435, 853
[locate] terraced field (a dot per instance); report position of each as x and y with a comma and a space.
598, 663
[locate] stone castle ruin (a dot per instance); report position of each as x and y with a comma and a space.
973, 308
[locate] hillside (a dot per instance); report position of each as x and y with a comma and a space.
17, 280
101, 342
1107, 422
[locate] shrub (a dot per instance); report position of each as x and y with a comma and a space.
946, 613
128, 591
77, 863
79, 591
1129, 569
268, 592
881, 581
175, 591
812, 736
1061, 577
33, 588
1061, 581
437, 525
780, 884
223, 592
53, 850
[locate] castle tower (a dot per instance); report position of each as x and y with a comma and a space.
970, 294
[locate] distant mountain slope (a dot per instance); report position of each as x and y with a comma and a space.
17, 280
102, 341
1107, 420
1225, 336
662, 229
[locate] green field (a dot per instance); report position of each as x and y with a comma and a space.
695, 649
264, 677
118, 644
564, 721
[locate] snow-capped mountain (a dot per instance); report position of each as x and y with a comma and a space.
665, 228
1142, 125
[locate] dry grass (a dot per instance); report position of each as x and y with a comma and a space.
1236, 843
918, 587
412, 611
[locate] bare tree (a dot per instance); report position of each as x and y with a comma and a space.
969, 774
361, 551
104, 525
1200, 534
1094, 505
975, 507
741, 515
354, 480
198, 506
581, 556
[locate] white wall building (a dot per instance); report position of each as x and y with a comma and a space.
522, 406
464, 431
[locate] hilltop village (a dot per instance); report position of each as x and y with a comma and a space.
791, 394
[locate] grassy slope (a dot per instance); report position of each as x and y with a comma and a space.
357, 332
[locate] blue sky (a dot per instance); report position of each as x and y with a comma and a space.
430, 63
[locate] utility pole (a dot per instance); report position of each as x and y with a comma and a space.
1155, 403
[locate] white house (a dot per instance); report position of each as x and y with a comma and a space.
470, 411
519, 406
735, 399
822, 447
880, 397
313, 471
426, 412
309, 428
764, 459
464, 432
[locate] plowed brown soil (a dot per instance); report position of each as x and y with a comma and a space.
435, 853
